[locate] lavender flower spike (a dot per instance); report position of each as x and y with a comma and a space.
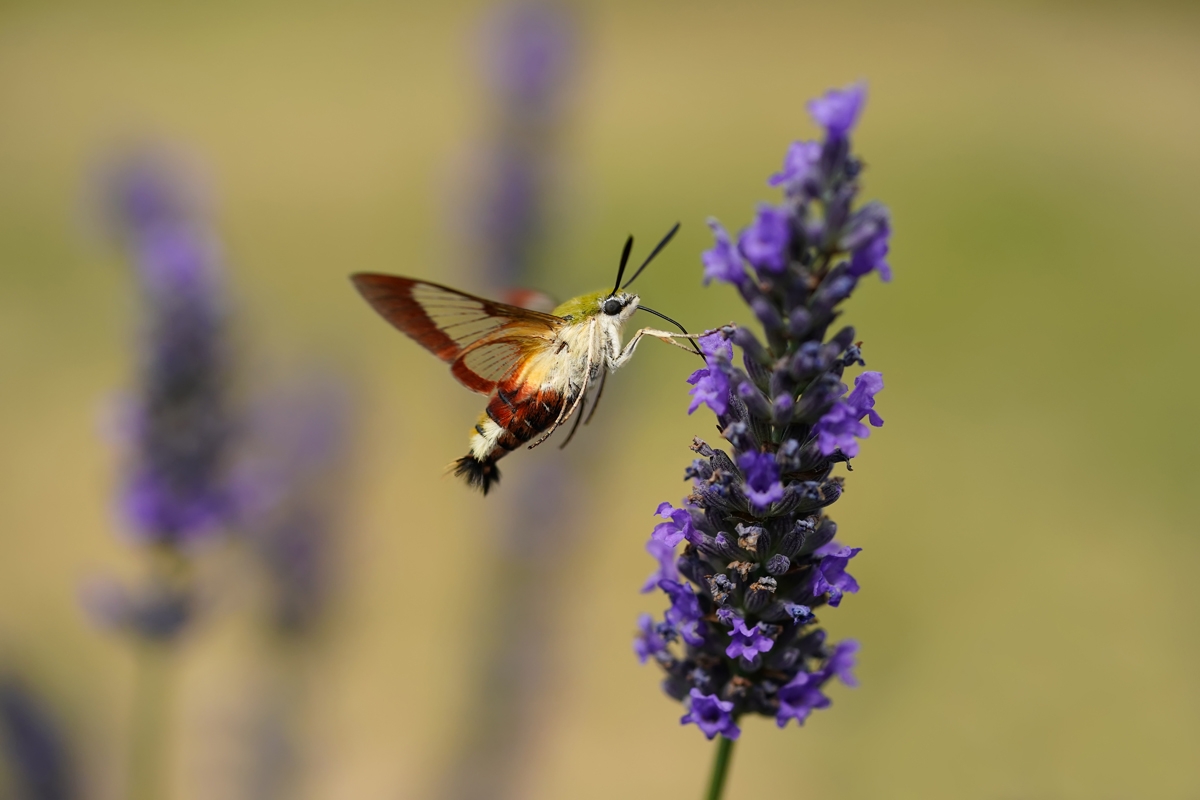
175, 491
757, 555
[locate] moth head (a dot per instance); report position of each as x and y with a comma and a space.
619, 305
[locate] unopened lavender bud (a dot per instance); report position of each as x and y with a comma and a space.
751, 347
799, 321
755, 400
778, 564
842, 339
692, 568
726, 547
771, 321
792, 541
781, 410
822, 536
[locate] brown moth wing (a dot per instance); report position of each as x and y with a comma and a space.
482, 340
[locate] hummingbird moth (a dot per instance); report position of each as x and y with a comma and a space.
537, 368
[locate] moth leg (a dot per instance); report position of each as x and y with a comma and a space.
566, 412
599, 393
665, 336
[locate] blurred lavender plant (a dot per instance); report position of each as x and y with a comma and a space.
39, 759
289, 485
529, 63
291, 477
175, 493
759, 554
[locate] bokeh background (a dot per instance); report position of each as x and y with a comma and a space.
1029, 611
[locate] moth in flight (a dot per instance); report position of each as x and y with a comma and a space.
537, 369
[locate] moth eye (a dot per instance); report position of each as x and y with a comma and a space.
612, 306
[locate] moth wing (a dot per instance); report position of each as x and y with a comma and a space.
483, 365
482, 339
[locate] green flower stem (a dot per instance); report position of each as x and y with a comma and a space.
716, 784
149, 724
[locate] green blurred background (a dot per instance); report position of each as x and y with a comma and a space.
1029, 613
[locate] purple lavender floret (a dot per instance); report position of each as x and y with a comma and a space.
711, 715
830, 576
837, 110
649, 641
762, 479
723, 262
840, 428
765, 243
676, 529
801, 169
710, 385
685, 616
747, 642
665, 555
754, 553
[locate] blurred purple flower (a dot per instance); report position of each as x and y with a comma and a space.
665, 555
722, 262
842, 662
288, 490
800, 166
868, 242
649, 642
765, 243
175, 491
530, 49
711, 715
837, 110
799, 697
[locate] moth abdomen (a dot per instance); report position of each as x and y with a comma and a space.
479, 474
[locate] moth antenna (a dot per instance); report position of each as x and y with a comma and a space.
670, 235
659, 314
624, 261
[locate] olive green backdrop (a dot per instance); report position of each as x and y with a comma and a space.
1029, 611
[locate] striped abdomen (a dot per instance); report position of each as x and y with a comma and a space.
517, 413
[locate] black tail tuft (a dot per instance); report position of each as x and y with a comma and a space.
478, 474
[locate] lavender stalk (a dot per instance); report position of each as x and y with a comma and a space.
759, 556
175, 494
293, 476
41, 763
